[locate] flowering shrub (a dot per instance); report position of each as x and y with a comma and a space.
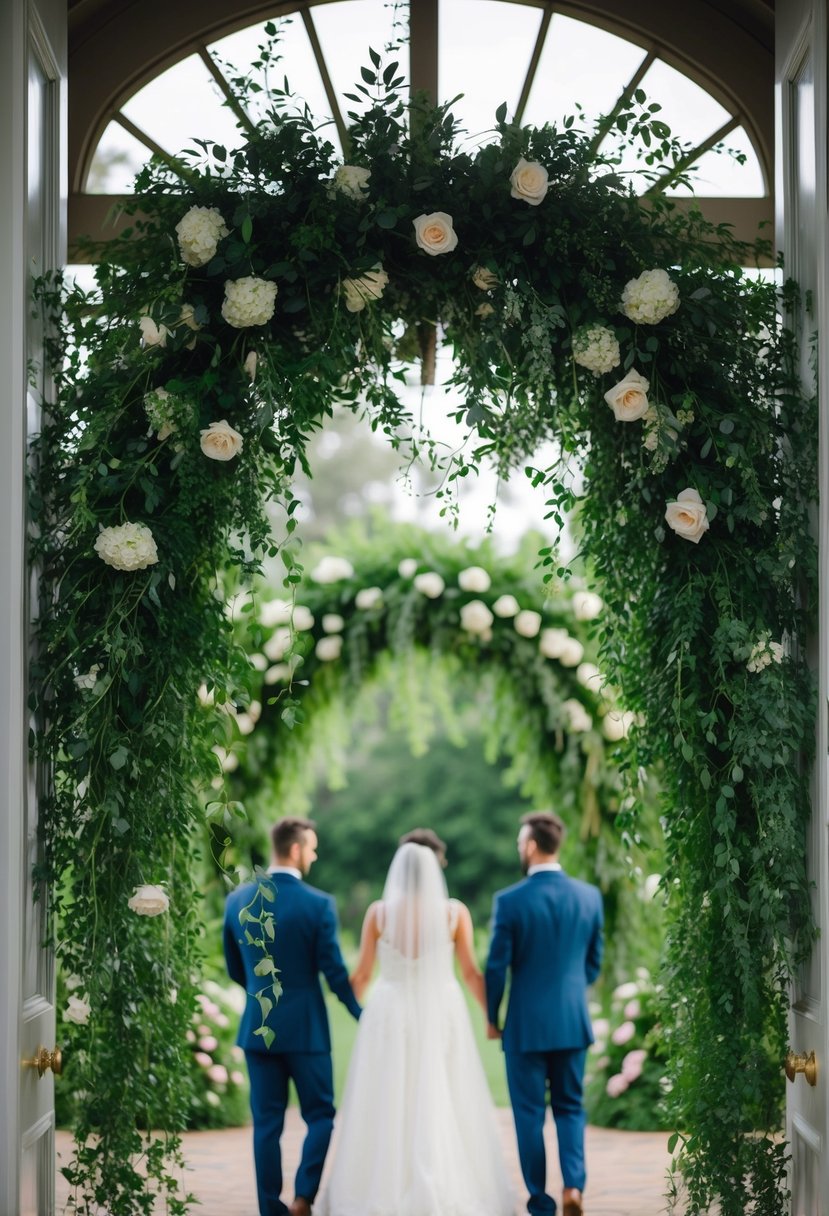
217, 1065
626, 1080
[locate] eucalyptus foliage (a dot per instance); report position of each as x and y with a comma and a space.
122, 653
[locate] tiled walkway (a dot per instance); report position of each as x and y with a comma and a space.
626, 1169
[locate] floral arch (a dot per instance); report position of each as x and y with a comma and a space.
255, 291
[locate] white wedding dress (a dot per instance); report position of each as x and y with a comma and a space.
416, 1132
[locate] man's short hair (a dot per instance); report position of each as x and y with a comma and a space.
427, 837
288, 832
546, 829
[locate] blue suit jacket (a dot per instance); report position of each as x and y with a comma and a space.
305, 945
547, 930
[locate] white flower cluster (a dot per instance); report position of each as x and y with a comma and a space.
78, 1010
352, 181
578, 719
157, 409
87, 681
476, 618
248, 301
596, 348
764, 652
199, 232
332, 570
370, 286
127, 547
650, 298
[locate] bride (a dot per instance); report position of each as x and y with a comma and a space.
417, 1132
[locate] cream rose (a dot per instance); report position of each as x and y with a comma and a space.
352, 180
332, 622
248, 301
370, 286
408, 567
78, 1010
572, 653
506, 606
434, 232
552, 642
589, 676
474, 578
527, 623
278, 644
127, 547
368, 598
332, 570
529, 182
280, 673
629, 398
148, 900
329, 648
688, 516
220, 441
587, 605
152, 334
476, 617
429, 584
275, 612
616, 725
484, 278
302, 618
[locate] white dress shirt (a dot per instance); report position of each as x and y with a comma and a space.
543, 867
286, 870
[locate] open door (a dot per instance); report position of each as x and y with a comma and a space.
32, 62
801, 190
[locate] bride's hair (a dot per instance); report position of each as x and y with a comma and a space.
430, 839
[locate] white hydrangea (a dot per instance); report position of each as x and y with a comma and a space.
275, 612
527, 623
332, 622
429, 584
78, 1010
476, 618
650, 298
572, 653
127, 547
408, 567
596, 348
474, 578
199, 231
764, 652
329, 648
368, 598
506, 606
352, 180
553, 642
578, 719
587, 605
616, 725
157, 409
302, 618
248, 301
332, 570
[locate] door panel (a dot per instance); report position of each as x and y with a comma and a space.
802, 236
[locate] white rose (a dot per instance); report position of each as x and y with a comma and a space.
127, 547
199, 231
484, 278
626, 992
329, 648
552, 642
628, 399
368, 598
587, 605
370, 286
187, 316
589, 676
578, 719
220, 441
332, 622
506, 606
275, 612
332, 570
302, 618
688, 516
152, 334
78, 1010
435, 233
72, 982
527, 623
248, 301
245, 723
408, 567
474, 578
148, 900
596, 348
651, 886
258, 662
616, 725
278, 644
476, 617
650, 298
89, 679
280, 673
352, 180
429, 584
249, 365
572, 653
255, 710
229, 761
529, 182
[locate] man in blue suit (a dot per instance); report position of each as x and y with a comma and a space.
547, 931
305, 944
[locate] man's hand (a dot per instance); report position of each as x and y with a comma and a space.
492, 1032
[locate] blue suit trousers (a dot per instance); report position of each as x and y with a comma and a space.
529, 1073
312, 1075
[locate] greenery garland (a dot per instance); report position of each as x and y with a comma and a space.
262, 286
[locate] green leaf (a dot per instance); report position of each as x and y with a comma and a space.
119, 757
247, 229
386, 219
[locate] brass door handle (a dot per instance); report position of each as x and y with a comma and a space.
807, 1064
44, 1060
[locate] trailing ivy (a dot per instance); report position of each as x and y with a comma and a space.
182, 404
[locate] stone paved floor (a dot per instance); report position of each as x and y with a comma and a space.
626, 1169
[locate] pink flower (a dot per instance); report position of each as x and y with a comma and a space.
633, 1009
238, 1078
623, 1034
218, 1074
601, 1028
221, 1019
191, 1038
202, 1058
616, 1085
202, 1029
209, 1042
632, 1064
237, 1053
